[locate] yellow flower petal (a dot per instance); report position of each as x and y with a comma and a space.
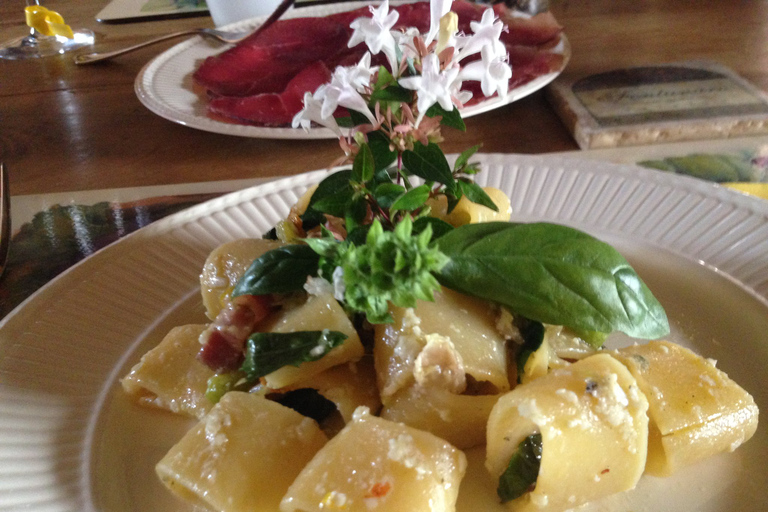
48, 23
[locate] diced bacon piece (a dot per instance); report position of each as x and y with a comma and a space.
219, 353
224, 340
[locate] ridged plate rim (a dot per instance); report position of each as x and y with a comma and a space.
93, 313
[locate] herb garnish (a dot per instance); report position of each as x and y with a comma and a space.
523, 469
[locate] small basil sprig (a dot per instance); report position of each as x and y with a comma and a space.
523, 469
552, 274
269, 351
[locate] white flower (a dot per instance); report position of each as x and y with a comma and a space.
360, 75
342, 91
437, 9
312, 111
486, 33
492, 72
376, 31
404, 42
432, 86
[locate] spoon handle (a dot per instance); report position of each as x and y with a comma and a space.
96, 57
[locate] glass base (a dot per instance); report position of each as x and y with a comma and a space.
35, 45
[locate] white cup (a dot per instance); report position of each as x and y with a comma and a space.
225, 12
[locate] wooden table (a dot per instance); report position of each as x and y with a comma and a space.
66, 128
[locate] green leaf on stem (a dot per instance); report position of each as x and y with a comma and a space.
476, 194
439, 227
363, 167
449, 118
463, 158
386, 194
383, 156
331, 197
413, 199
428, 162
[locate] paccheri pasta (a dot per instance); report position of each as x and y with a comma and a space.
407, 396
396, 317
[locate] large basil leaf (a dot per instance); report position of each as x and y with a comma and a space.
553, 274
269, 351
280, 270
523, 469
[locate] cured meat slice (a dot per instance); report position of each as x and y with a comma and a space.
272, 109
263, 79
266, 64
535, 31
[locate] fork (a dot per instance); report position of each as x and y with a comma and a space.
5, 218
219, 35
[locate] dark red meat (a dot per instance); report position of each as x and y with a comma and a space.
273, 109
262, 80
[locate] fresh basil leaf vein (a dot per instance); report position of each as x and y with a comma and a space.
553, 274
523, 469
280, 270
269, 351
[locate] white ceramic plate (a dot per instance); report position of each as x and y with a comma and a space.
166, 88
70, 441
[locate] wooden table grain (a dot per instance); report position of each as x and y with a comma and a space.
64, 127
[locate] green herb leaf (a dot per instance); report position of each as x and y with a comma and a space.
394, 93
386, 194
413, 199
363, 167
449, 118
384, 78
355, 213
533, 337
463, 158
383, 156
476, 194
428, 162
269, 351
280, 270
523, 469
553, 274
331, 197
439, 227
391, 266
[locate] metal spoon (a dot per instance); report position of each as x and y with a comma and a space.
219, 35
